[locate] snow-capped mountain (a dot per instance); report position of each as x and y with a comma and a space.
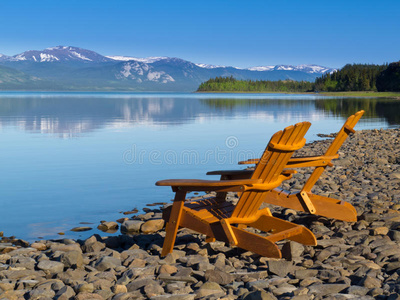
207, 66
140, 72
147, 60
4, 57
60, 54
304, 68
264, 68
73, 68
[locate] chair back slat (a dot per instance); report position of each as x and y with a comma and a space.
344, 133
333, 148
271, 165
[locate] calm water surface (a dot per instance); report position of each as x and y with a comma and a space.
68, 158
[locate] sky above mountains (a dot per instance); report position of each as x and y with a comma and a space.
236, 33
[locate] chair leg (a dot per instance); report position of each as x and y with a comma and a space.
324, 206
281, 229
173, 223
256, 243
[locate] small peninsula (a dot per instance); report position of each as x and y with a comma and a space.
357, 80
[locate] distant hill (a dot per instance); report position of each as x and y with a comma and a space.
73, 68
17, 80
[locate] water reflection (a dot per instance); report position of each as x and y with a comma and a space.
48, 185
375, 108
71, 116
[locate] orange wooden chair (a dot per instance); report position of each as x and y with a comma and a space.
305, 200
224, 221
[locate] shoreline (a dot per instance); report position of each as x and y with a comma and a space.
353, 260
389, 95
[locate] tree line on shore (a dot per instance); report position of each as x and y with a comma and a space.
352, 77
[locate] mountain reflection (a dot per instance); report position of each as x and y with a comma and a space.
70, 116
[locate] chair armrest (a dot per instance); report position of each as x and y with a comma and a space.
231, 172
249, 161
243, 174
207, 185
300, 162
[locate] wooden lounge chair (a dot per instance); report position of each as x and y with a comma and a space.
220, 219
305, 200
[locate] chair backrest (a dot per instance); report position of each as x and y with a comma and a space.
274, 159
341, 136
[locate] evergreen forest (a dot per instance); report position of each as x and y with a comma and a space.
230, 84
352, 77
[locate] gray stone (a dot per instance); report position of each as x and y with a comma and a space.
195, 259
133, 254
394, 235
4, 258
258, 285
22, 261
392, 266
326, 289
119, 288
371, 282
284, 290
258, 295
94, 247
153, 289
167, 269
133, 272
107, 262
219, 277
174, 297
131, 226
72, 275
28, 284
204, 266
323, 255
51, 267
106, 226
88, 296
5, 285
65, 293
176, 278
357, 290
210, 288
291, 250
81, 228
128, 296
305, 273
72, 259
85, 287
370, 217
151, 226
139, 283
275, 281
18, 274
65, 248
106, 294
300, 297
41, 294
280, 267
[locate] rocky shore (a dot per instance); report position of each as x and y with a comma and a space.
358, 260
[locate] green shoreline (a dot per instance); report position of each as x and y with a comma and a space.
392, 95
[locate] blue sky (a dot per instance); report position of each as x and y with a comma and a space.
236, 33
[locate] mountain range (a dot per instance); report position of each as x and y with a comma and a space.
72, 68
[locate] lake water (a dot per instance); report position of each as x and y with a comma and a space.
68, 158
